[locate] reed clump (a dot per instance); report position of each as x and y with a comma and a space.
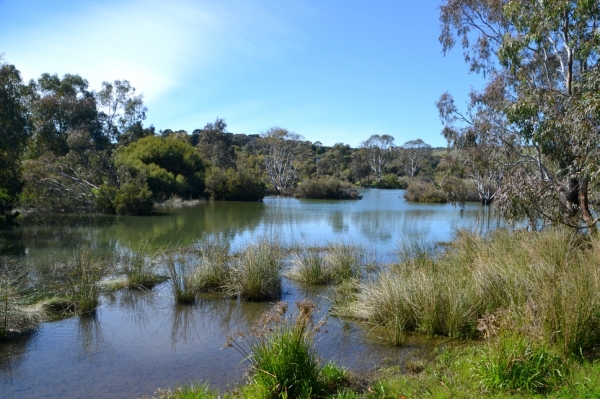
212, 272
255, 272
283, 361
182, 276
546, 283
81, 275
16, 316
139, 269
343, 260
308, 266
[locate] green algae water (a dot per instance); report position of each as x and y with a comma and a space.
139, 341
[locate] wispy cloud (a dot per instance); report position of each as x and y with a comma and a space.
156, 45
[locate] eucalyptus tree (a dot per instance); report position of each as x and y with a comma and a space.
58, 108
14, 132
282, 152
120, 109
215, 144
380, 152
540, 108
414, 154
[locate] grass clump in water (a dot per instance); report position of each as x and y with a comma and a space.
283, 362
255, 272
139, 269
308, 266
212, 272
16, 317
181, 276
343, 261
81, 276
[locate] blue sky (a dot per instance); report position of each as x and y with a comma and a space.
332, 71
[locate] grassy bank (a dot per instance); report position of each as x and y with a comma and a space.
525, 307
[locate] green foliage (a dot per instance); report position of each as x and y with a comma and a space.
424, 191
234, 184
283, 361
133, 197
326, 188
14, 132
172, 166
80, 276
391, 181
255, 272
517, 363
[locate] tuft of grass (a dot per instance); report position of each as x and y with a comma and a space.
181, 276
545, 283
212, 272
255, 272
199, 391
343, 261
81, 275
139, 269
516, 363
283, 362
308, 266
16, 316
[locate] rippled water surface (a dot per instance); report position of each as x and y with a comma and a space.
140, 341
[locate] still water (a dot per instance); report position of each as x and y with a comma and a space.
140, 341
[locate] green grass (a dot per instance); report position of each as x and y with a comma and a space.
255, 272
81, 275
212, 272
181, 276
343, 261
139, 269
283, 362
308, 266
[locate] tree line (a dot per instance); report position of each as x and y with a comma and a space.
67, 148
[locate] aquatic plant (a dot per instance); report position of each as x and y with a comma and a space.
139, 268
343, 261
545, 282
283, 362
308, 266
80, 275
181, 276
255, 272
212, 271
15, 317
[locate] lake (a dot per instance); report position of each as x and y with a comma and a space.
140, 341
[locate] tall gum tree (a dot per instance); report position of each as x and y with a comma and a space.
541, 105
281, 151
14, 132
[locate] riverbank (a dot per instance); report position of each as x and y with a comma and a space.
524, 305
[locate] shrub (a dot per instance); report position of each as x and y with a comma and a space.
172, 167
423, 191
391, 181
134, 197
326, 188
234, 185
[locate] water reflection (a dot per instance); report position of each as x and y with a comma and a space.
139, 340
91, 336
